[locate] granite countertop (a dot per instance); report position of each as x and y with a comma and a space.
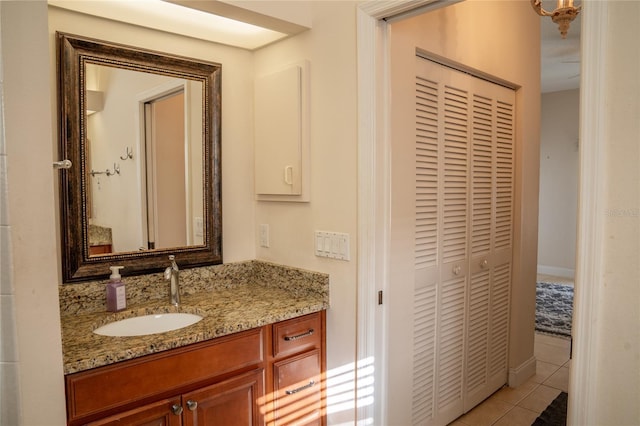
266, 294
99, 235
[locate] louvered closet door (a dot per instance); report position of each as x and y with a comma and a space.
463, 203
491, 208
441, 250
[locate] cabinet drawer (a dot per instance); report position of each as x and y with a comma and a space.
298, 389
297, 335
121, 385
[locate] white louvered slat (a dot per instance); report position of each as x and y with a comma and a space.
455, 179
504, 176
478, 331
450, 342
501, 282
426, 227
481, 175
427, 183
500, 294
424, 333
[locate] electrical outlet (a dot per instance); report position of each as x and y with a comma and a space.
264, 235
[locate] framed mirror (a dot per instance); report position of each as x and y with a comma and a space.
142, 131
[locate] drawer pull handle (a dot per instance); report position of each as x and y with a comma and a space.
301, 388
299, 336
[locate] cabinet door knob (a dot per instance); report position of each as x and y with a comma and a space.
192, 405
176, 409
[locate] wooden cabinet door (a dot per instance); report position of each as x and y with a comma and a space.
233, 402
298, 390
159, 413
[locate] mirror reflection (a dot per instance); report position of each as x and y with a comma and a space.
144, 136
142, 131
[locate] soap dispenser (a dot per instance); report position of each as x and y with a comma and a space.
116, 296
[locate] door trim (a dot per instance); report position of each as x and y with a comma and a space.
373, 228
374, 193
583, 375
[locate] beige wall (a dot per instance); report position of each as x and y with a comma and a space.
617, 390
331, 50
472, 33
31, 185
558, 182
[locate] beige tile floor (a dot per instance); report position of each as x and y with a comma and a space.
522, 405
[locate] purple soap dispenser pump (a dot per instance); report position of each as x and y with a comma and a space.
116, 296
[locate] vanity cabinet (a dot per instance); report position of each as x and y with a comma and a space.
270, 374
229, 402
296, 371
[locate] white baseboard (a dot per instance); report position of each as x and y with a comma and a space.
522, 373
558, 272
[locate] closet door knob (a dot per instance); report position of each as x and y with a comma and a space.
456, 270
484, 263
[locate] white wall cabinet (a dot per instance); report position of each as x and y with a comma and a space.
281, 141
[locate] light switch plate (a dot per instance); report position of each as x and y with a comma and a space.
264, 235
334, 245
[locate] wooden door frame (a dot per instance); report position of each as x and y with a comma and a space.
374, 197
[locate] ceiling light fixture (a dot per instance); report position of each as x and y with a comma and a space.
564, 13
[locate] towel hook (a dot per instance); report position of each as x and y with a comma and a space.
108, 172
129, 154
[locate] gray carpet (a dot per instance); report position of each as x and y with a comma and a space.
554, 308
555, 414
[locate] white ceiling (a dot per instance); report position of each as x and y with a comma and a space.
560, 61
174, 18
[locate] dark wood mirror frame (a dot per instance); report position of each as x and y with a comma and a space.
73, 53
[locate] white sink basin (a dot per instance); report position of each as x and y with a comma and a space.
148, 324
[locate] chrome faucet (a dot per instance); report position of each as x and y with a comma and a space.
172, 273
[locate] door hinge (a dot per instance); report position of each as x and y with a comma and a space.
380, 297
